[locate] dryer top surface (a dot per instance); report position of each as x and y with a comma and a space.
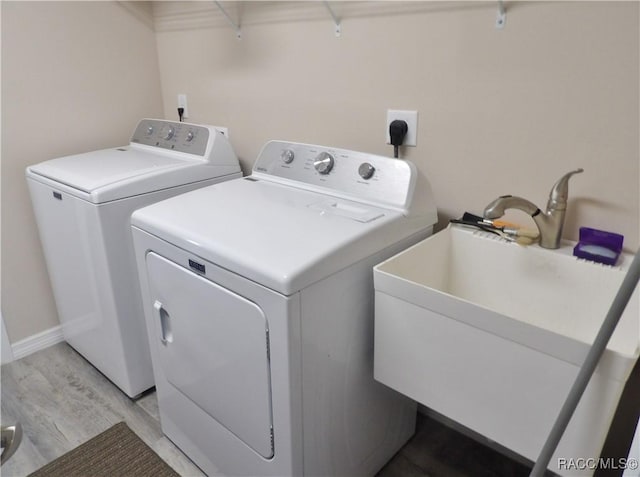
279, 236
306, 212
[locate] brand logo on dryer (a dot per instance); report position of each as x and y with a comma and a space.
198, 267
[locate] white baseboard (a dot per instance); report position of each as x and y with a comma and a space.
37, 342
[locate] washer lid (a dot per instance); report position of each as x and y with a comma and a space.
111, 174
93, 170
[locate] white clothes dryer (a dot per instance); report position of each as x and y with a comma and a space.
83, 204
258, 295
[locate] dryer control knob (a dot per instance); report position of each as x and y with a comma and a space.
149, 130
189, 136
366, 170
169, 134
287, 156
323, 163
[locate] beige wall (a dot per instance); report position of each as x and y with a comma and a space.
499, 111
76, 76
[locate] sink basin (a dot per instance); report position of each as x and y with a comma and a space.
492, 335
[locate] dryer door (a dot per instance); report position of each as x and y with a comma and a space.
214, 349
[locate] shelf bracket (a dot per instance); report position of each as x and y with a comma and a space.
336, 21
501, 18
235, 26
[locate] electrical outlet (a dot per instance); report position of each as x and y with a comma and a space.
411, 118
182, 103
221, 129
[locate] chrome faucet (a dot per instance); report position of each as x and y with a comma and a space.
550, 222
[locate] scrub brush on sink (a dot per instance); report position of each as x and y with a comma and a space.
511, 234
507, 227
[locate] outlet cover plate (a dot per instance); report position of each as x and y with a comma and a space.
411, 118
182, 103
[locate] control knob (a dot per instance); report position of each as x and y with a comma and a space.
287, 156
169, 134
366, 170
323, 163
189, 136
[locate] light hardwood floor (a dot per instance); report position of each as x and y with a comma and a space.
62, 401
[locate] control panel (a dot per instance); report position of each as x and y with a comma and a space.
173, 136
351, 174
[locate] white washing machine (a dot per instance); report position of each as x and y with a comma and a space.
258, 295
83, 205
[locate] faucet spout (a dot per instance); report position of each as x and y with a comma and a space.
550, 222
559, 194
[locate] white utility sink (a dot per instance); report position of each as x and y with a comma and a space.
492, 335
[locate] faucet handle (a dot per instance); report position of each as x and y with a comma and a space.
560, 191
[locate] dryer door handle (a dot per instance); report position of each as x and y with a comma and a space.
166, 336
